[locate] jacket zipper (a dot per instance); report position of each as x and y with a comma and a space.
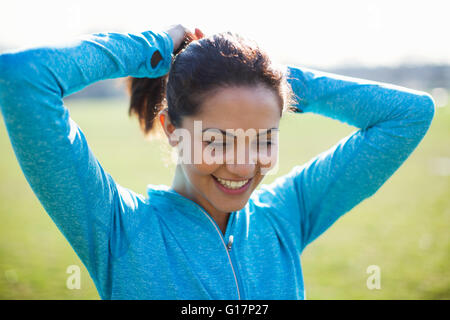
229, 246
230, 242
226, 246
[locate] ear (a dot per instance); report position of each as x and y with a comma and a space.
167, 126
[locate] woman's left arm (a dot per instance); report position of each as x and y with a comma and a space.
392, 120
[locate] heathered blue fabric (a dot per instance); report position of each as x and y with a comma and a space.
164, 246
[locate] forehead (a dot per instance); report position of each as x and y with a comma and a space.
240, 107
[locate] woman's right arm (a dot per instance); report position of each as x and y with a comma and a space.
78, 194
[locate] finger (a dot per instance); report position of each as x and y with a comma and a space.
198, 33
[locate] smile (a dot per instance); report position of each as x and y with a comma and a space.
232, 186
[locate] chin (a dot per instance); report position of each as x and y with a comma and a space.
225, 204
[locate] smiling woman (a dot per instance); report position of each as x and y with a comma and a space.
210, 235
227, 83
232, 108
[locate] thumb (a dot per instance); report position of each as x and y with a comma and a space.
198, 33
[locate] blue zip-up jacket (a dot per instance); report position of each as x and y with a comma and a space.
165, 246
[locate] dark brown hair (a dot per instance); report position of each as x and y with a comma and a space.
198, 68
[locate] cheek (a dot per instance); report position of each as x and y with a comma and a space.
268, 160
198, 171
201, 170
206, 169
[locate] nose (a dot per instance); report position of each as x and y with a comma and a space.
242, 170
242, 163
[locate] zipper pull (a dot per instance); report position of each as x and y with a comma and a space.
230, 242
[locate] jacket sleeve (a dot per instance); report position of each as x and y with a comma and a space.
79, 195
391, 121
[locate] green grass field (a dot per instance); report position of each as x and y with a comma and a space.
403, 229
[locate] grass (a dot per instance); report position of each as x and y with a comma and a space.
403, 228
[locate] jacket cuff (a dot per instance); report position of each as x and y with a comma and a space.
162, 42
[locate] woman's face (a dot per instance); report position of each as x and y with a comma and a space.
235, 137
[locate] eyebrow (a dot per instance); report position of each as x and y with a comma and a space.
232, 135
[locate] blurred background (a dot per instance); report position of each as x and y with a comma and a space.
403, 229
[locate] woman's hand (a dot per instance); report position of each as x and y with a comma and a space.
178, 33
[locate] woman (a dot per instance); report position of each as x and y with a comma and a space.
210, 235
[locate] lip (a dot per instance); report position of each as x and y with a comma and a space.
232, 191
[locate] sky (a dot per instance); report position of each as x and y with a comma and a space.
311, 33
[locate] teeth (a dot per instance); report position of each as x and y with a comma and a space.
232, 184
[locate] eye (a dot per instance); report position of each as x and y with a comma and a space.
218, 143
264, 144
264, 141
